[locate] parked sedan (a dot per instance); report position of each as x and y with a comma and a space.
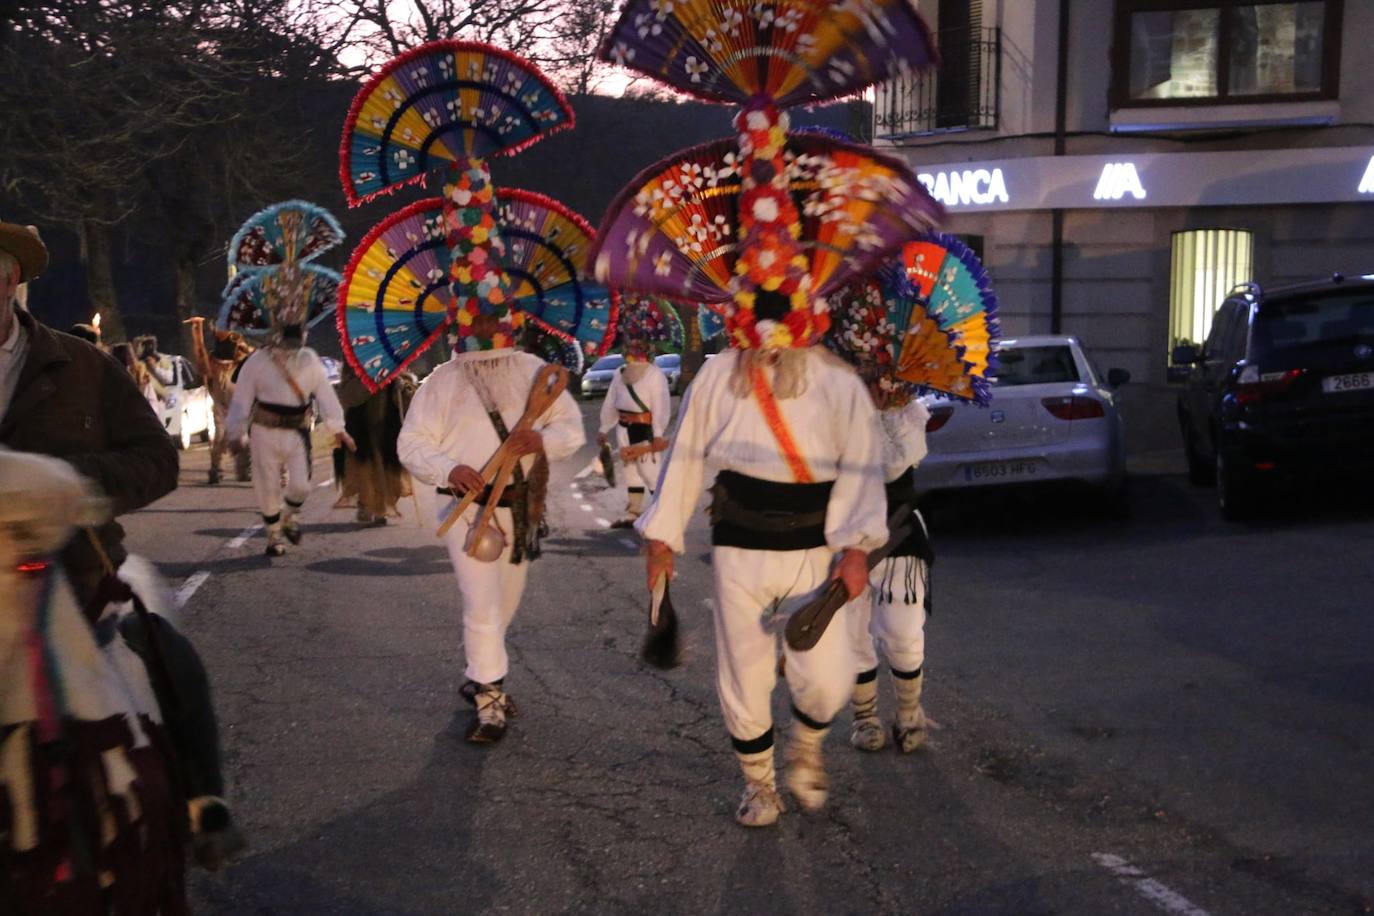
186, 408
1052, 418
671, 364
597, 379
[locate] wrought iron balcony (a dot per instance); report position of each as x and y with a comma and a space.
963, 94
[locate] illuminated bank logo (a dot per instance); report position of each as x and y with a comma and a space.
1367, 182
1119, 179
970, 187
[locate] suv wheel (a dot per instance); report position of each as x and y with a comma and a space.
1236, 494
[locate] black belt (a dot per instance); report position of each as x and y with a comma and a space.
902, 492
283, 410
766, 515
638, 432
508, 497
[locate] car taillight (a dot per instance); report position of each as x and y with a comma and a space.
1252, 386
1074, 407
939, 416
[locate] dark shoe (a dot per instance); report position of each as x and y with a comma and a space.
214, 477
275, 549
215, 839
625, 522
489, 724
292, 530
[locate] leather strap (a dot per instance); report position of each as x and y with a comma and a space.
801, 471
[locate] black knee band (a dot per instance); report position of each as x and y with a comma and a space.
636, 489
867, 677
753, 745
271, 519
907, 675
294, 505
809, 722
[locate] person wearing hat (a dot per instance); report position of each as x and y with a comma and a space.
63, 397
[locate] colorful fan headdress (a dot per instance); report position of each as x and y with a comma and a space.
449, 104
397, 298
954, 303
276, 285
769, 222
650, 323
929, 327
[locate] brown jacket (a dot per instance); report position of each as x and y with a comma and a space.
78, 404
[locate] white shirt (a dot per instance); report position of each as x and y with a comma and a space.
835, 429
447, 425
260, 380
13, 352
903, 436
652, 388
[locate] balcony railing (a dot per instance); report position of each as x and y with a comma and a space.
964, 94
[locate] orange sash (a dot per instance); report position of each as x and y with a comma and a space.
790, 453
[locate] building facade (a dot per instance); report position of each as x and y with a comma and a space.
1122, 164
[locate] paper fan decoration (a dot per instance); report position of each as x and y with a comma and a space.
546, 258
674, 231
654, 320
710, 322
440, 104
290, 232
955, 310
395, 298
250, 296
798, 52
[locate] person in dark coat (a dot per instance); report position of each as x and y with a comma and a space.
62, 397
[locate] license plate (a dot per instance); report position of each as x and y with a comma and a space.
1356, 381
999, 470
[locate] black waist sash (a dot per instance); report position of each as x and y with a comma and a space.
766, 515
902, 492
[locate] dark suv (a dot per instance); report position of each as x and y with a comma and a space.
1284, 385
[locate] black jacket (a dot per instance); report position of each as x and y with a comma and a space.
77, 403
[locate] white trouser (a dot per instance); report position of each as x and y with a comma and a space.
896, 627
274, 450
642, 472
491, 592
747, 583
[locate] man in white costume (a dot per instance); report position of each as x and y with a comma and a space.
449, 434
890, 616
798, 501
638, 407
274, 392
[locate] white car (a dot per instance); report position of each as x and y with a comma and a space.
1052, 417
187, 410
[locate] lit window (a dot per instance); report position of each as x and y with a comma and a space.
1206, 265
1225, 50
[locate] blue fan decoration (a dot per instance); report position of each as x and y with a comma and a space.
291, 232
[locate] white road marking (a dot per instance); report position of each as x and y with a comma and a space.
630, 543
585, 508
603, 522
242, 539
1162, 896
189, 587
326, 483
710, 603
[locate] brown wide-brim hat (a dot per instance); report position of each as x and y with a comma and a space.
27, 247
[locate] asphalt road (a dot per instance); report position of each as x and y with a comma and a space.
1169, 714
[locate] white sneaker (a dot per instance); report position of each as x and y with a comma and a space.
806, 778
759, 806
868, 734
910, 733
